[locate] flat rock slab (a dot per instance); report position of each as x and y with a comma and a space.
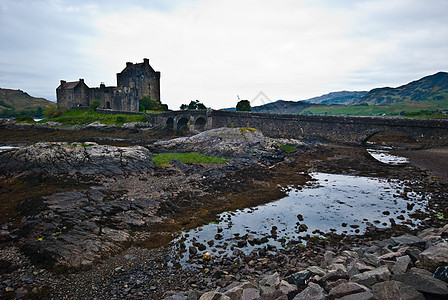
423, 283
392, 290
407, 240
347, 288
369, 278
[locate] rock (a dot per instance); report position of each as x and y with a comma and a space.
237, 291
334, 267
434, 257
250, 294
224, 141
299, 278
214, 296
407, 240
312, 292
192, 250
316, 270
176, 297
369, 278
423, 283
345, 289
286, 287
441, 273
401, 265
270, 280
334, 276
392, 290
367, 295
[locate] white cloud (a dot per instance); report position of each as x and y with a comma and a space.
214, 50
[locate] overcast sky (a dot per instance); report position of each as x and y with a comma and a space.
216, 50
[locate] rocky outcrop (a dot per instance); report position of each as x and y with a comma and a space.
222, 141
75, 160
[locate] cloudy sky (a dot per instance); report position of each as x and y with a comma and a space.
215, 50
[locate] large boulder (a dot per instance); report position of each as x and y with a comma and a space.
222, 141
435, 256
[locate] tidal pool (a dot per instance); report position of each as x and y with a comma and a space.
384, 156
6, 148
331, 202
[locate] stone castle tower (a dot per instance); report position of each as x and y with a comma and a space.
133, 83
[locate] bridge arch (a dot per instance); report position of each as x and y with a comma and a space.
169, 124
182, 124
391, 137
200, 124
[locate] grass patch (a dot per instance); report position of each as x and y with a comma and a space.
288, 148
164, 159
83, 117
246, 129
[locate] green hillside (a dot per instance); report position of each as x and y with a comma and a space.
432, 90
16, 102
426, 97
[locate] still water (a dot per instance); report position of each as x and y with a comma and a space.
331, 202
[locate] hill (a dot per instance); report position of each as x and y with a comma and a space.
282, 107
426, 97
343, 97
430, 89
13, 102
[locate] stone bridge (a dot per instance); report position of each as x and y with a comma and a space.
335, 129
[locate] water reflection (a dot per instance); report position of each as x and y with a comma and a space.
384, 156
338, 203
6, 148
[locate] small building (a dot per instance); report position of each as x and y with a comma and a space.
133, 83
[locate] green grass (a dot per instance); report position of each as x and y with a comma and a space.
431, 109
83, 117
288, 148
246, 129
164, 159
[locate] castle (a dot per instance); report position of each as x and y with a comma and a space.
133, 83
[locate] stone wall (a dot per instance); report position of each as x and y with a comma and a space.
335, 129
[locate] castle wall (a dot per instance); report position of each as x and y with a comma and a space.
133, 83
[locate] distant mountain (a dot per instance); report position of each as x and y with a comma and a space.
429, 89
17, 101
343, 97
282, 107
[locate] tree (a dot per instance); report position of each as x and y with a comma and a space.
95, 104
193, 105
54, 111
243, 105
146, 103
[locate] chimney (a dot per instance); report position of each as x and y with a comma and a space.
128, 64
102, 85
63, 82
81, 80
146, 61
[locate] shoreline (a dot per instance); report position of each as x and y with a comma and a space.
141, 273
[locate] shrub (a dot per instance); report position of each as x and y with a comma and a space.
24, 118
94, 104
54, 111
243, 105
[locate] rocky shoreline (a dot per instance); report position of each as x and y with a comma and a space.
87, 220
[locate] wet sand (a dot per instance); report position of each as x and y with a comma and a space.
434, 160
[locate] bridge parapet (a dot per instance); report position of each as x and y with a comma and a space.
335, 129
